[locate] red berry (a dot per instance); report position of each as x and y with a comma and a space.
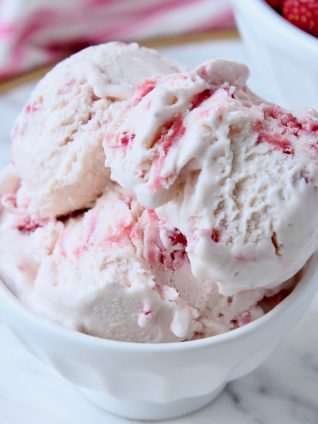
303, 14
215, 235
178, 238
275, 4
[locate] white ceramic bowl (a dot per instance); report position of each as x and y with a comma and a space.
285, 57
156, 381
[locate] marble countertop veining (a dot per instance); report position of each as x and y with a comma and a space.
284, 390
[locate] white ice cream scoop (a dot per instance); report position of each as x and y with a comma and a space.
236, 175
57, 138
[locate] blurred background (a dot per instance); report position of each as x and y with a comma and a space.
36, 32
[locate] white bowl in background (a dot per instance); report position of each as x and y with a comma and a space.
156, 381
285, 57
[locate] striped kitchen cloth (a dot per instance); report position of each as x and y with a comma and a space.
35, 32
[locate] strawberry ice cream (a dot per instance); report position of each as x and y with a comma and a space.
57, 138
193, 227
115, 271
236, 175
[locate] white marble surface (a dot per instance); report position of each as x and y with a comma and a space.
284, 390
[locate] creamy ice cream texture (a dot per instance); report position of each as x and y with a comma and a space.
115, 271
236, 175
214, 185
57, 138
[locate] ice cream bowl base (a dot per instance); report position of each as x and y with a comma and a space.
156, 381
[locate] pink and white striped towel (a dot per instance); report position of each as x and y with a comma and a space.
35, 32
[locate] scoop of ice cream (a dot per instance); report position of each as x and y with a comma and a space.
236, 175
95, 282
115, 271
164, 248
119, 272
57, 138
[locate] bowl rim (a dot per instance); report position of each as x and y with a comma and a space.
265, 12
304, 286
